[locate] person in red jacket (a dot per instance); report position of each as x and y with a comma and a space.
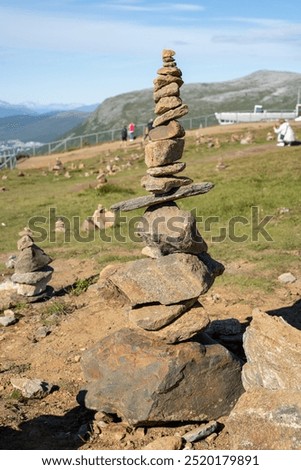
131, 130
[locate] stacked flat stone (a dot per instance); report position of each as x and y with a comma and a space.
154, 370
166, 143
32, 270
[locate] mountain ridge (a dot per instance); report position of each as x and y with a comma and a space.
276, 90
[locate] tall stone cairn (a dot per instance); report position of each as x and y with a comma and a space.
154, 370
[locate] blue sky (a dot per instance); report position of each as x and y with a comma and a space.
84, 51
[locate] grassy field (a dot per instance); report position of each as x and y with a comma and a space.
252, 213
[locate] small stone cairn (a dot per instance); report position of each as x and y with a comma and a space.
100, 220
154, 370
32, 270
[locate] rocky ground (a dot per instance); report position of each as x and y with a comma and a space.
48, 340
49, 337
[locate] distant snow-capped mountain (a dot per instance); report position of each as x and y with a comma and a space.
31, 109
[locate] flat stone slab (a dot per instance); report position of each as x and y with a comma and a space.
167, 131
163, 184
171, 89
155, 317
145, 201
183, 328
166, 170
170, 115
33, 278
163, 80
167, 103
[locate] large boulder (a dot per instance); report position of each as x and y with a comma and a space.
273, 352
167, 280
266, 420
147, 382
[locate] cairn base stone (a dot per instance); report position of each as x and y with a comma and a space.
30, 290
146, 382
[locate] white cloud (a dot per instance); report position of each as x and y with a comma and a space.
156, 7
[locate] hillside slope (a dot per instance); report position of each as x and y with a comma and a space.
41, 128
274, 90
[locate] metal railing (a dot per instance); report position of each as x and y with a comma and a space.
8, 161
77, 142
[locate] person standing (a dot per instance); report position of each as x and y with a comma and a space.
148, 128
131, 129
286, 135
124, 134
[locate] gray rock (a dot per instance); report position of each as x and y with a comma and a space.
201, 432
170, 229
155, 317
167, 280
151, 252
32, 388
287, 278
25, 242
266, 420
31, 259
10, 263
146, 201
30, 290
8, 318
33, 278
163, 185
183, 328
227, 327
146, 382
273, 351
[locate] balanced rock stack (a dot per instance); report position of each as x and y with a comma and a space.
157, 369
32, 270
166, 139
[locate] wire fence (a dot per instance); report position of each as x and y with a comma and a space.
8, 157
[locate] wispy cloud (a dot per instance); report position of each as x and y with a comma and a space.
156, 7
123, 51
260, 31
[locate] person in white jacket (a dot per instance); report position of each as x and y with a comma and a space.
286, 135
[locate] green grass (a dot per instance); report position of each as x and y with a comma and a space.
252, 187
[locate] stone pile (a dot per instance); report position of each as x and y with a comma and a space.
156, 369
58, 167
31, 268
100, 220
60, 225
